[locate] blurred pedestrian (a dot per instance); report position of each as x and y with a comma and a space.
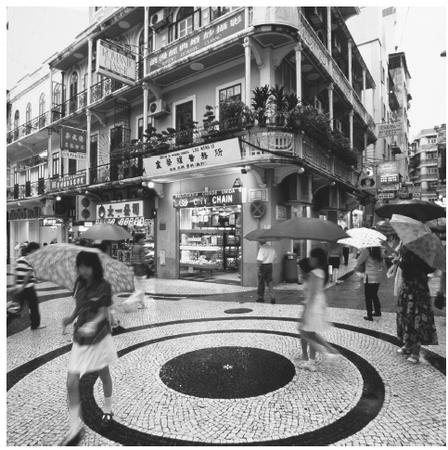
139, 266
314, 320
93, 349
345, 251
265, 259
25, 285
374, 269
415, 316
334, 260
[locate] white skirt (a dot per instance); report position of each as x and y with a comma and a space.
90, 358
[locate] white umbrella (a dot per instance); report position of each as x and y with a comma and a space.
366, 234
360, 243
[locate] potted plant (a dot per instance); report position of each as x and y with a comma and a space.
260, 103
279, 104
293, 112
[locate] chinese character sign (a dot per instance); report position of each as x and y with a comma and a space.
200, 157
73, 140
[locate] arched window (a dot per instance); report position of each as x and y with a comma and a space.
141, 49
16, 124
73, 91
184, 24
42, 110
28, 118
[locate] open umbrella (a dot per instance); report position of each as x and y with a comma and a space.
416, 209
419, 239
367, 234
57, 263
305, 228
106, 232
384, 226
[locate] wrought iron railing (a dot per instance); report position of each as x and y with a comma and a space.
29, 189
104, 88
29, 127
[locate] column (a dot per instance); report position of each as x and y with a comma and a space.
350, 121
365, 148
89, 123
298, 49
329, 28
89, 70
363, 94
350, 68
247, 59
49, 155
145, 106
330, 103
145, 50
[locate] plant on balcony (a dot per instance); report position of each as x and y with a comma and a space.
315, 124
279, 105
293, 111
235, 116
340, 145
260, 103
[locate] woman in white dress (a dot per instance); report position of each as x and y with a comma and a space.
93, 349
314, 320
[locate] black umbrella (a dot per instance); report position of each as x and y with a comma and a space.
416, 209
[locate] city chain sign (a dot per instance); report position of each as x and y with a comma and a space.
389, 129
185, 47
115, 62
208, 198
200, 157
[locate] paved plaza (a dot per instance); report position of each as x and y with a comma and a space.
220, 369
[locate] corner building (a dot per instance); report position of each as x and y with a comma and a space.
173, 128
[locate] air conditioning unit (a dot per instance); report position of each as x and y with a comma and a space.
338, 125
337, 46
158, 108
85, 209
317, 16
158, 19
318, 105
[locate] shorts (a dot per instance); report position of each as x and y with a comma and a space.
334, 261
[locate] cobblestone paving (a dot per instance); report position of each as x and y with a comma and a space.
413, 411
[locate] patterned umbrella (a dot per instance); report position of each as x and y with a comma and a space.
57, 263
419, 239
305, 228
106, 232
360, 243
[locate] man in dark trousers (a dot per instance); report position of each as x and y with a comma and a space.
25, 282
265, 259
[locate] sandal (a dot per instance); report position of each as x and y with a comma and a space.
413, 359
106, 419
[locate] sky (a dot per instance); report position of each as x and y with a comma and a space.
421, 34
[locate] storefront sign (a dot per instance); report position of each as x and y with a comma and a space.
74, 155
68, 182
210, 198
281, 212
387, 168
51, 222
126, 221
24, 213
258, 194
188, 45
389, 129
118, 210
393, 178
390, 187
73, 140
115, 62
386, 195
200, 157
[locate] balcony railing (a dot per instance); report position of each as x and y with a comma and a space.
117, 170
28, 190
104, 88
33, 125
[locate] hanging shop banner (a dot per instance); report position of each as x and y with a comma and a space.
68, 182
185, 47
126, 221
74, 155
73, 140
114, 61
200, 157
122, 209
389, 129
387, 168
209, 198
386, 195
391, 178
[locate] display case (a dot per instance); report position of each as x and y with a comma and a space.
201, 249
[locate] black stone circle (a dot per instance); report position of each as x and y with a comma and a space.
238, 311
227, 372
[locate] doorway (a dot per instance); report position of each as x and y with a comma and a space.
184, 123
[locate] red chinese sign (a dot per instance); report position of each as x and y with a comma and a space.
73, 140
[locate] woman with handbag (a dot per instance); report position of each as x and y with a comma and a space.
371, 262
93, 348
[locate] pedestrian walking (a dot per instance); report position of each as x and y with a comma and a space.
138, 264
265, 259
314, 317
415, 316
346, 251
93, 348
371, 264
25, 285
334, 260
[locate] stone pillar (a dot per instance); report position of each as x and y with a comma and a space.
89, 71
330, 103
298, 49
350, 68
49, 154
329, 28
89, 123
145, 106
247, 60
145, 50
350, 121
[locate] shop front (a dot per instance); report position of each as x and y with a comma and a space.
210, 235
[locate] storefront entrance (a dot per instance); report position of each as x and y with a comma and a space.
210, 236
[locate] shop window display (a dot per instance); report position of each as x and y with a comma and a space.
210, 242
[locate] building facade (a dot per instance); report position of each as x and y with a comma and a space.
196, 126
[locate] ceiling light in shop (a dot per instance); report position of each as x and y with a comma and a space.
124, 24
196, 66
312, 76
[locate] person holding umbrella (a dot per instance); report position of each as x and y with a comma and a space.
265, 259
93, 348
